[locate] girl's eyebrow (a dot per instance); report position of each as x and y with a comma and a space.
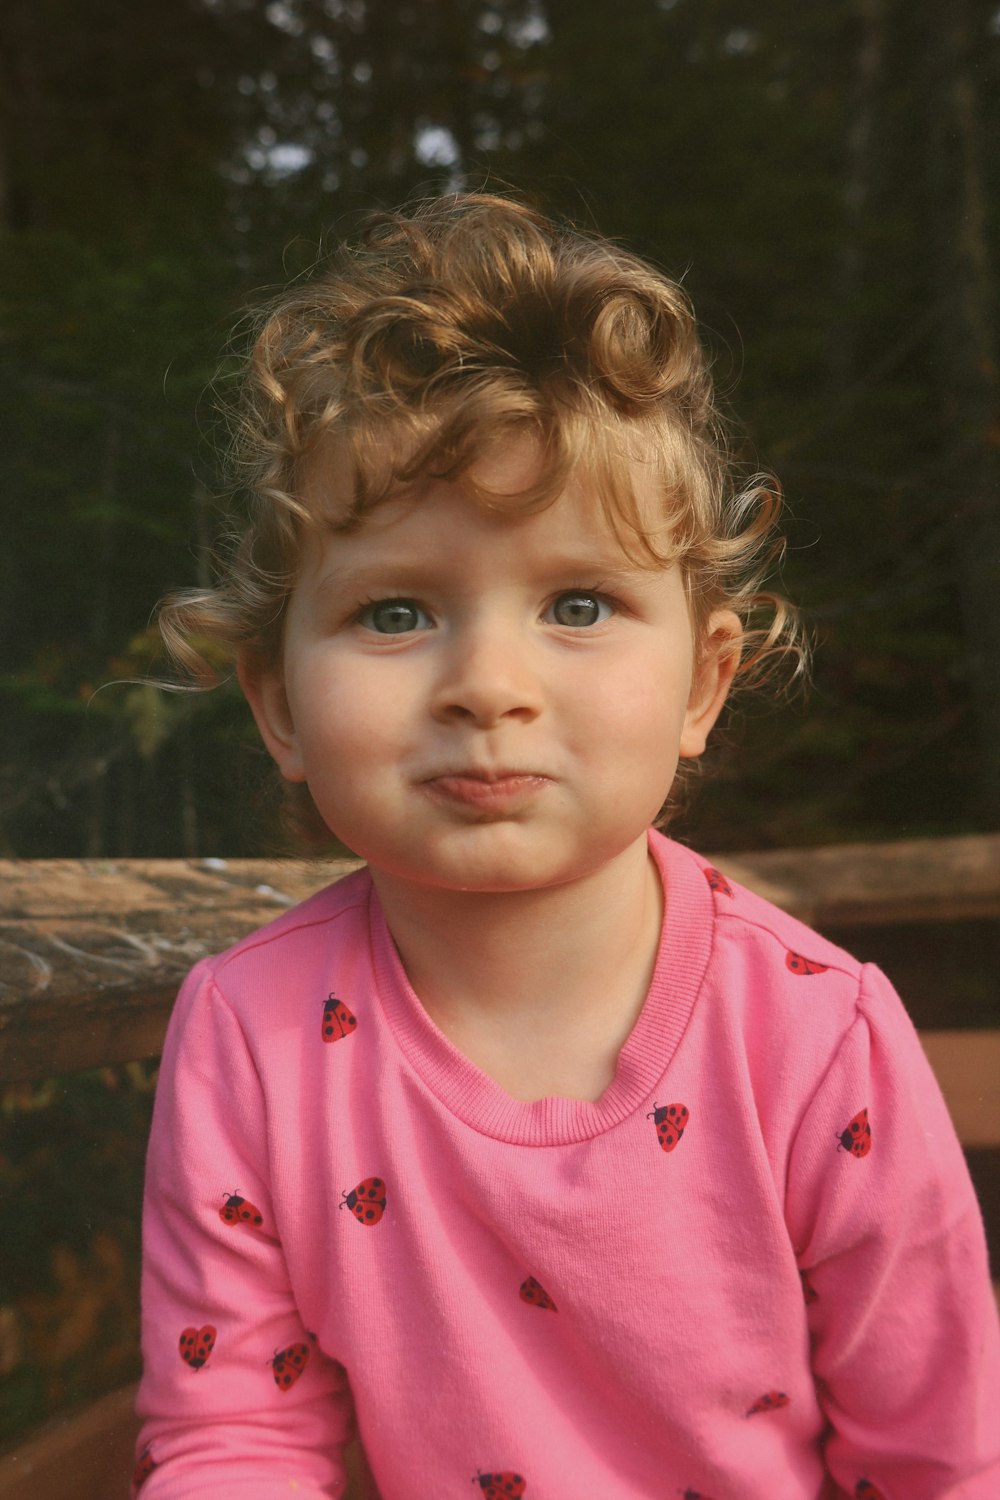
580, 569
399, 573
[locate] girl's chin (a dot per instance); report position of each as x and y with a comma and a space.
494, 859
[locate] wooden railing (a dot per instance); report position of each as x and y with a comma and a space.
92, 952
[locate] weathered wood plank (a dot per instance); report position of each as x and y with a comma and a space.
87, 1455
857, 885
91, 953
967, 1067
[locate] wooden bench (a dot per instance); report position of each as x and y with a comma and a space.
92, 952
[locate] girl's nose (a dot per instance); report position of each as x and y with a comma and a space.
487, 674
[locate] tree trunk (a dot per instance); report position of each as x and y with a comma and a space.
866, 87
970, 389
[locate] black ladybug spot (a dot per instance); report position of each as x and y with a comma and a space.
369, 1213
376, 1182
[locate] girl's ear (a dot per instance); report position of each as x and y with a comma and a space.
264, 689
718, 659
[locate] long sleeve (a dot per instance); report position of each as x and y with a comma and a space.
237, 1398
888, 1232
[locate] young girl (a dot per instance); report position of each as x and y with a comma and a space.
539, 1153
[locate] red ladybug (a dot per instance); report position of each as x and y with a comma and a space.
532, 1291
144, 1467
497, 1486
809, 1292
367, 1200
717, 881
857, 1138
770, 1401
671, 1122
338, 1021
288, 1365
865, 1490
799, 965
237, 1210
196, 1345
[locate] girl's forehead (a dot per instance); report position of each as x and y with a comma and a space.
331, 474
497, 486
440, 526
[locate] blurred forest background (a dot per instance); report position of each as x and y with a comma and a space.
823, 177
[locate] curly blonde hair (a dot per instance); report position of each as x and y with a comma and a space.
444, 328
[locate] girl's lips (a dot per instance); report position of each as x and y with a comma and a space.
486, 791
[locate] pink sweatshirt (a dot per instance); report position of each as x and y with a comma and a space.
753, 1270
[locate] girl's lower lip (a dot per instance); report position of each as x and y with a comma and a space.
477, 792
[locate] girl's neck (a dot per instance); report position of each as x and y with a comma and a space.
539, 988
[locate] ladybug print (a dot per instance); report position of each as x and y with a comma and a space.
533, 1292
237, 1210
809, 1292
196, 1344
671, 1122
804, 966
144, 1467
717, 881
865, 1490
857, 1138
367, 1200
338, 1021
497, 1486
288, 1365
770, 1401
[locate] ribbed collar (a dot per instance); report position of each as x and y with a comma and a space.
467, 1092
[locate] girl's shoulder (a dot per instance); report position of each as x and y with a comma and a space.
792, 1001
293, 946
783, 985
751, 926
775, 935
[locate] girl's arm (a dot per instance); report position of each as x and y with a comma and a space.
236, 1397
905, 1343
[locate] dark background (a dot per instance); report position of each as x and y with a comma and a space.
823, 177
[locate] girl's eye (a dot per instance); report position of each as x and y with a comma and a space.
579, 609
393, 616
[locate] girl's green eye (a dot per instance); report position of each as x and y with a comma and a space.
579, 609
393, 616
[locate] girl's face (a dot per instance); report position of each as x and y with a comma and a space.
487, 701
